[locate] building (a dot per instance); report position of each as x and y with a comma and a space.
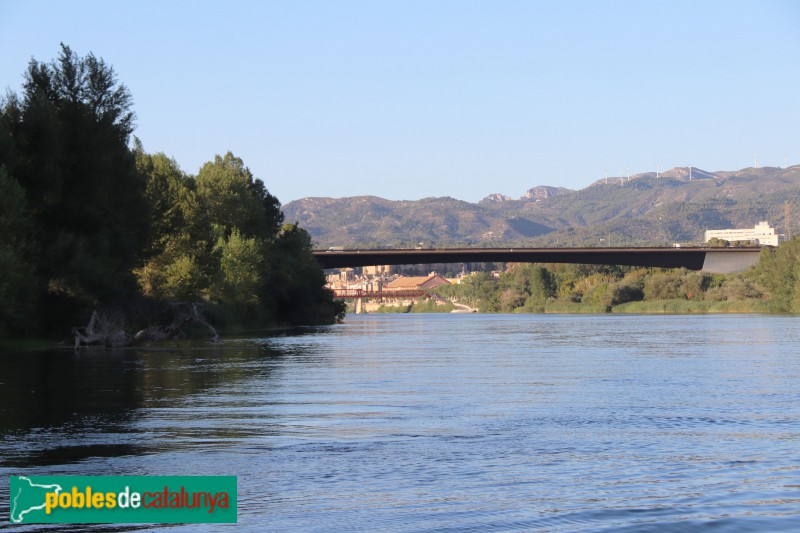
378, 271
404, 283
762, 234
340, 278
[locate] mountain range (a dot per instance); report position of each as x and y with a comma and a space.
676, 206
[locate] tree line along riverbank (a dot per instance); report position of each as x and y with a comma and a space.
90, 221
772, 286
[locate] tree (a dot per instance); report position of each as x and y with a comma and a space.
181, 262
83, 217
663, 286
735, 287
629, 289
715, 242
85, 200
16, 278
542, 285
235, 200
165, 192
182, 279
242, 269
273, 216
295, 285
534, 284
777, 271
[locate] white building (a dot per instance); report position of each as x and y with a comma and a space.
762, 234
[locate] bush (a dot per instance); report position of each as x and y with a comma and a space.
622, 293
663, 286
777, 272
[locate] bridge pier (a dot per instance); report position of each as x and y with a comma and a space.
726, 262
359, 305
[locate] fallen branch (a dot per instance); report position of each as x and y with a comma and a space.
101, 330
184, 313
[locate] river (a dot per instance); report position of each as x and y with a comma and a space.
438, 422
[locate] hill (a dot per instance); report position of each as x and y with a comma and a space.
368, 221
642, 209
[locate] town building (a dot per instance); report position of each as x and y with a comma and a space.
430, 281
762, 234
378, 271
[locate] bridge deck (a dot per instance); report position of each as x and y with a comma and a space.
735, 259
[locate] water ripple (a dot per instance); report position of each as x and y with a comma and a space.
442, 423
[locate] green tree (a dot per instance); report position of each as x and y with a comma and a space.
182, 279
542, 286
663, 286
777, 272
67, 147
621, 293
630, 288
271, 208
256, 271
85, 217
734, 287
242, 269
478, 290
165, 186
235, 200
181, 263
17, 278
694, 285
295, 286
715, 242
528, 286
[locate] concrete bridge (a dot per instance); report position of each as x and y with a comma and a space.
713, 260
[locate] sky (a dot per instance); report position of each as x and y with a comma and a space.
412, 99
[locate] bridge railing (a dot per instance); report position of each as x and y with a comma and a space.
351, 294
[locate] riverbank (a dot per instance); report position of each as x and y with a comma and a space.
25, 345
195, 337
675, 306
424, 306
690, 307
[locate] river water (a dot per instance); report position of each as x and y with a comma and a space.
438, 422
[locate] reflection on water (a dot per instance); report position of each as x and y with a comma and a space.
428, 422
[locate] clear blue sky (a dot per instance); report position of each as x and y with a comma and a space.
410, 99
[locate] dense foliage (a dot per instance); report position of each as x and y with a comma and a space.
87, 221
220, 238
778, 271
580, 288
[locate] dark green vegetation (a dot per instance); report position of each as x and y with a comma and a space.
772, 285
427, 305
87, 222
644, 211
778, 272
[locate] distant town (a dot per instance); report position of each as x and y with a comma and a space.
372, 287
